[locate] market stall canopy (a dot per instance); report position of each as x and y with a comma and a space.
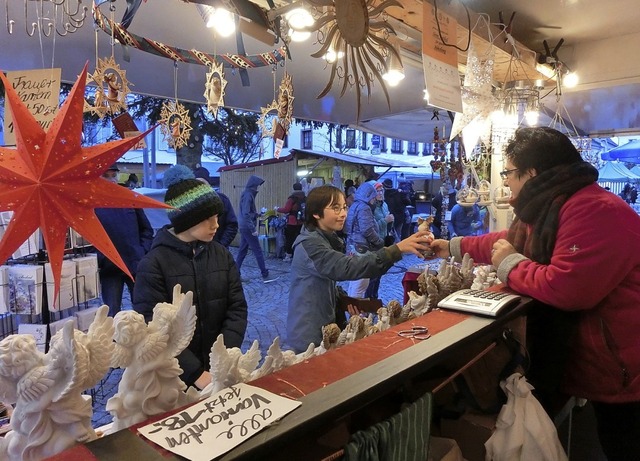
629, 152
599, 43
613, 171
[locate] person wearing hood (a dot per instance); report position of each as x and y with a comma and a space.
248, 227
397, 203
319, 263
184, 252
227, 220
294, 209
362, 232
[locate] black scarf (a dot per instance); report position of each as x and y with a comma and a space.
539, 203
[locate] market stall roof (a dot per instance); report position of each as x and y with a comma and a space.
629, 152
613, 171
359, 159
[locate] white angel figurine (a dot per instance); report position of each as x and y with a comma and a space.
150, 383
51, 414
230, 366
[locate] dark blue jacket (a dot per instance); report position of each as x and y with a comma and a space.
131, 234
248, 215
227, 223
209, 271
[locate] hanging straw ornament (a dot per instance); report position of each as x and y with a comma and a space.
214, 88
285, 102
175, 123
111, 82
267, 121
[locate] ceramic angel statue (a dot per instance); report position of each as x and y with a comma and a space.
230, 366
150, 383
51, 414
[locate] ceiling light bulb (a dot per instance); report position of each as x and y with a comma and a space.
531, 116
331, 56
570, 80
299, 18
223, 22
298, 36
394, 76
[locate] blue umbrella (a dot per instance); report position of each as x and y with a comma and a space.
629, 152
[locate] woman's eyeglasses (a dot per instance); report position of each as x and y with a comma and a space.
505, 173
337, 209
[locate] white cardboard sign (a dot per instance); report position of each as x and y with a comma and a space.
216, 425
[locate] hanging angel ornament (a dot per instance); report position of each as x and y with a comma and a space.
279, 112
214, 88
150, 383
112, 88
175, 124
51, 414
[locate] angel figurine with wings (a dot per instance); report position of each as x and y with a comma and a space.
51, 414
151, 382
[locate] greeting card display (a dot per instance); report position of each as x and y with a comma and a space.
66, 295
25, 289
87, 285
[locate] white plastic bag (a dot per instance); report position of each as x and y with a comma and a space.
523, 431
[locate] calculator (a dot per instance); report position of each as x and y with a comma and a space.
483, 302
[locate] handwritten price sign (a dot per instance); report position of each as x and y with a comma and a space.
216, 425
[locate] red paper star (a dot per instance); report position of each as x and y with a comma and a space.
50, 181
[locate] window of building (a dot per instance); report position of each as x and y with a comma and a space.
412, 148
307, 139
351, 139
363, 141
383, 144
338, 138
396, 146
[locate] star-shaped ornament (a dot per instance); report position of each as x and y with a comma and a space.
175, 124
214, 88
51, 182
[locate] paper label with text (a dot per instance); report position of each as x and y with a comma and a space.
216, 425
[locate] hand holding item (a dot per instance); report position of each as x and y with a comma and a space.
275, 208
353, 310
416, 243
389, 218
441, 248
501, 249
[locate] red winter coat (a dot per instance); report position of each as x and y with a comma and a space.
292, 207
594, 269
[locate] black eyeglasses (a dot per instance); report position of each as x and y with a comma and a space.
505, 173
337, 209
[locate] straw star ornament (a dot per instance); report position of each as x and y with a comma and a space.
50, 181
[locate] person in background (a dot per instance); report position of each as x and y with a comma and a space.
465, 220
384, 220
397, 203
132, 182
184, 252
227, 220
319, 262
362, 232
589, 281
350, 193
131, 234
248, 226
294, 209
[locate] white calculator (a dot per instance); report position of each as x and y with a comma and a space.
490, 303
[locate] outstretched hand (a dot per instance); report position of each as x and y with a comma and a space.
416, 243
441, 248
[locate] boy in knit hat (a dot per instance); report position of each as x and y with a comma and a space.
184, 252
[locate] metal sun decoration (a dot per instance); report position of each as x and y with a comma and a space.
175, 124
112, 88
214, 88
357, 31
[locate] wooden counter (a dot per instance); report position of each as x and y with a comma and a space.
331, 387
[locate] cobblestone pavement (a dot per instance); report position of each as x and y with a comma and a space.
267, 313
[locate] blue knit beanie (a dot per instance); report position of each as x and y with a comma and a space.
193, 201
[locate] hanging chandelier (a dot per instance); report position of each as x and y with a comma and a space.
45, 16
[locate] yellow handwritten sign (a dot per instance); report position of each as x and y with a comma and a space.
214, 426
39, 89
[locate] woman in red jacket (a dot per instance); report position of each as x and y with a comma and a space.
575, 247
